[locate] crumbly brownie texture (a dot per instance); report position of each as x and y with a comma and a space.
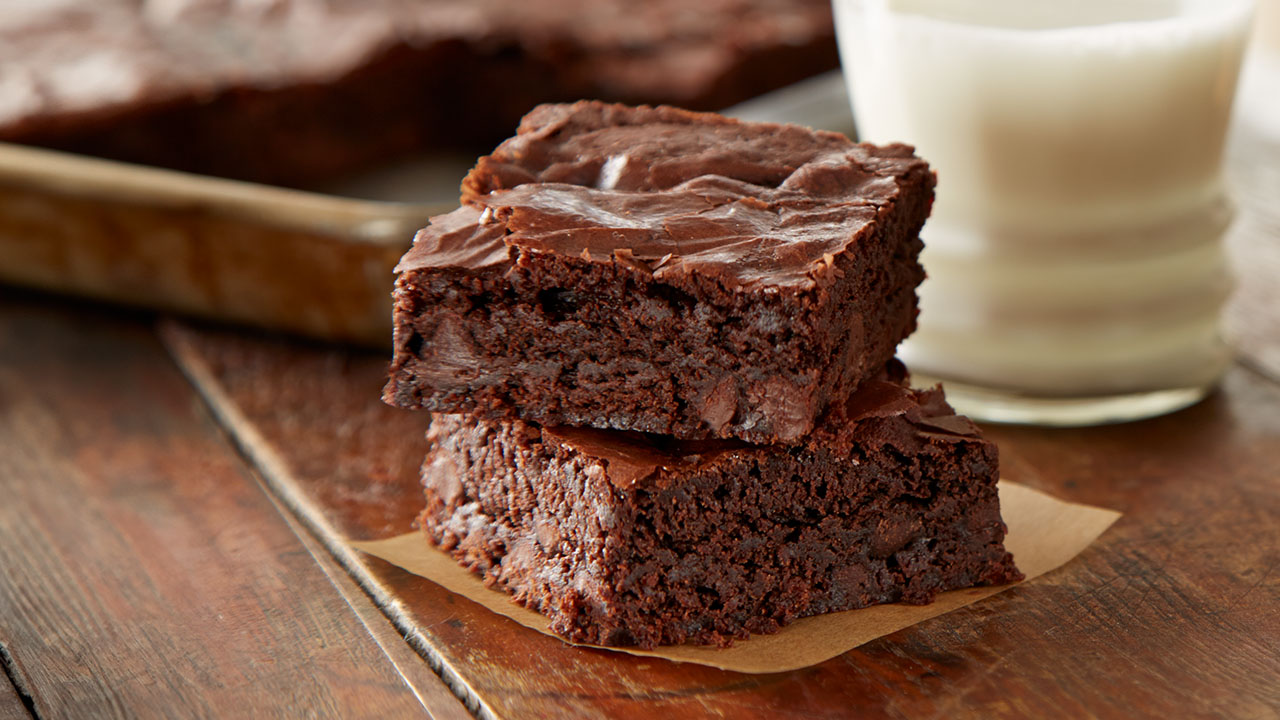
627, 539
662, 271
294, 90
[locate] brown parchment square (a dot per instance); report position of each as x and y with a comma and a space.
1044, 533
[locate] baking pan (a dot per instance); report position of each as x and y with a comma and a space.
303, 262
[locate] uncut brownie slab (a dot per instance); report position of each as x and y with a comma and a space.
627, 539
662, 271
293, 91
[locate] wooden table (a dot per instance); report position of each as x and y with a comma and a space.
148, 571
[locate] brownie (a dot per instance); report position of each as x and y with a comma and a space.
295, 91
631, 539
662, 271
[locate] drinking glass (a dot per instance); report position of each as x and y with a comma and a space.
1074, 253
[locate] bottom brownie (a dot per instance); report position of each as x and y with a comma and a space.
629, 539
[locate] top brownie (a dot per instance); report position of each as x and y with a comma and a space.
662, 271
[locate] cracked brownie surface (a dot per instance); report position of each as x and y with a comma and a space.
662, 271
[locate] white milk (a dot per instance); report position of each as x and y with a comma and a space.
1074, 249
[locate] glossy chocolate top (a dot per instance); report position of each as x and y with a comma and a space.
666, 191
882, 412
60, 57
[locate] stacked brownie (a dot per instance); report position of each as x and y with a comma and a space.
660, 349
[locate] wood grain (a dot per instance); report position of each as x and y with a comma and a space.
1174, 612
11, 707
438, 700
145, 573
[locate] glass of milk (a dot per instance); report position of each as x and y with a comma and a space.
1076, 271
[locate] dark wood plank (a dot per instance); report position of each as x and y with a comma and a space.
11, 707
439, 701
1173, 612
145, 572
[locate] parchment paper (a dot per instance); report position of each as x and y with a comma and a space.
1044, 533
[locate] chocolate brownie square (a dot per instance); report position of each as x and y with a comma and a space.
630, 539
662, 271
